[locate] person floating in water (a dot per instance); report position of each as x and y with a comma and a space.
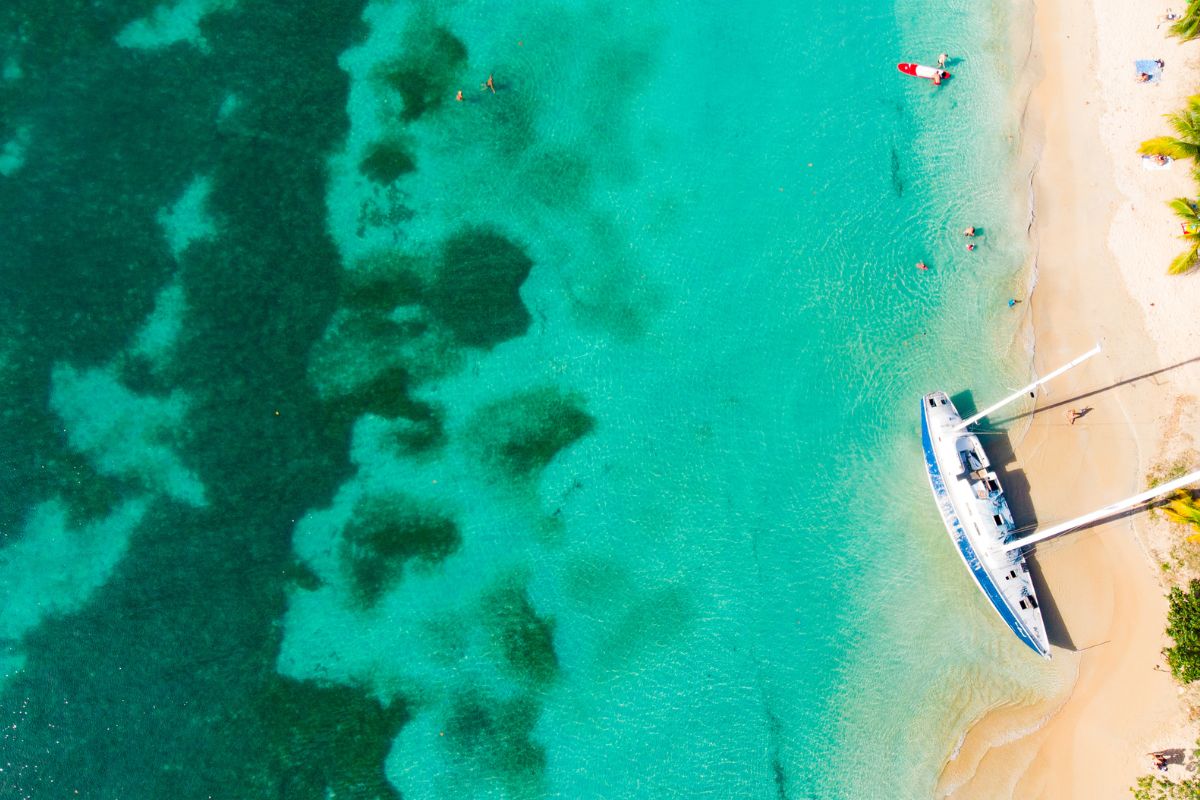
970, 246
491, 84
458, 96
942, 61
970, 231
922, 265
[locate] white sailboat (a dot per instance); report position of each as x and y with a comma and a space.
976, 514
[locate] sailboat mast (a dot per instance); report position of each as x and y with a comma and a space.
1021, 392
1107, 511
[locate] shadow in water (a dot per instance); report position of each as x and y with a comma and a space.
964, 401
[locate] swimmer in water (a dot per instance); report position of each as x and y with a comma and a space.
922, 265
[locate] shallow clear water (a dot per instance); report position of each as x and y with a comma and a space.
557, 442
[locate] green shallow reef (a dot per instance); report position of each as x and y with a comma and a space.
388, 532
178, 647
516, 436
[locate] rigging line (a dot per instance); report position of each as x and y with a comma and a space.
1151, 376
1017, 395
1080, 424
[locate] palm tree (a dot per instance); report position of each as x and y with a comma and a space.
1188, 26
1189, 259
1186, 142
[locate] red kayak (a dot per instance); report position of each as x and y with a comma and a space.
921, 71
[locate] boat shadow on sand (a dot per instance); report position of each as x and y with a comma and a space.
1000, 453
1056, 628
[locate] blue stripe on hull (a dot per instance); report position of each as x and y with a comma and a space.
955, 528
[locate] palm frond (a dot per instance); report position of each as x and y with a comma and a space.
1169, 146
1186, 126
1184, 514
1185, 208
1185, 261
1188, 26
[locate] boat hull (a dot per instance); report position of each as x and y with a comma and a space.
1027, 623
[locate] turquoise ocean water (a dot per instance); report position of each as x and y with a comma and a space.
558, 442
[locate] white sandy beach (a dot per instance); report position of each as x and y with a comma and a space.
1103, 238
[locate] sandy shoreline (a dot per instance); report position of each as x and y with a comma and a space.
1102, 239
